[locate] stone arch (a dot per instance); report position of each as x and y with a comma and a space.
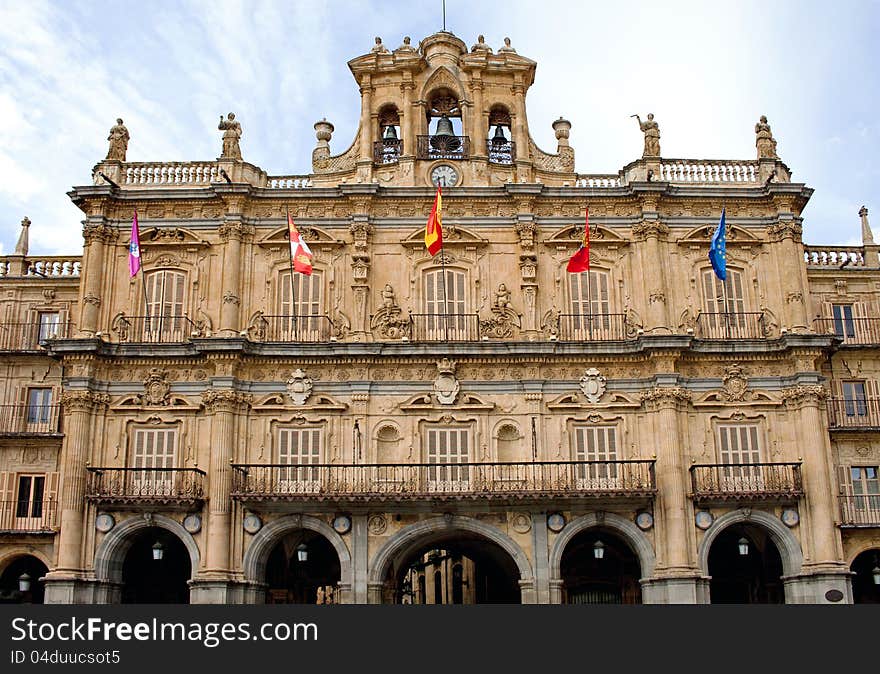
10, 555
411, 537
442, 78
864, 546
110, 555
257, 553
628, 531
785, 542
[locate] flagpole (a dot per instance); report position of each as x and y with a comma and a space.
724, 283
292, 284
445, 298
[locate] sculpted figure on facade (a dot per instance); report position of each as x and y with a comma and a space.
118, 141
379, 48
481, 46
389, 320
231, 134
764, 140
652, 135
406, 46
507, 47
502, 297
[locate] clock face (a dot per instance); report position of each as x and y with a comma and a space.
443, 175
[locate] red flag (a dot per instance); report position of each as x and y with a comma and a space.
300, 254
580, 261
433, 228
134, 247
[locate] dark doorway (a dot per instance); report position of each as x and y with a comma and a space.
25, 570
866, 581
597, 567
148, 580
303, 568
745, 567
460, 570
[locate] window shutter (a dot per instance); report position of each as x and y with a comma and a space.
7, 487
844, 481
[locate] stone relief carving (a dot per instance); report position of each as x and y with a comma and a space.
389, 320
299, 387
735, 384
593, 385
157, 390
446, 386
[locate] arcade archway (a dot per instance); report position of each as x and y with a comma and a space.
745, 567
302, 568
598, 567
156, 569
20, 581
866, 577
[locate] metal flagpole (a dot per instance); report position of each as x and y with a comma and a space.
292, 284
445, 298
444, 16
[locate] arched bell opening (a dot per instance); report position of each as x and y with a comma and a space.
156, 569
599, 567
745, 567
21, 582
500, 147
303, 568
389, 147
457, 568
445, 139
866, 577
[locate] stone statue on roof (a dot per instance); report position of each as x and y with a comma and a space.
379, 48
652, 135
231, 134
764, 140
481, 45
507, 47
118, 141
406, 46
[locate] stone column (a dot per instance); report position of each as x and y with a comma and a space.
79, 407
648, 235
407, 132
478, 120
541, 548
365, 158
786, 234
359, 593
96, 233
520, 132
231, 234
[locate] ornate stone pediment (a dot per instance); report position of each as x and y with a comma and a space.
704, 233
171, 236
574, 235
453, 236
315, 237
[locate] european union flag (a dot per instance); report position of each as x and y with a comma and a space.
718, 250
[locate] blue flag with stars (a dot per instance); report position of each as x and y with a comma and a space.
718, 250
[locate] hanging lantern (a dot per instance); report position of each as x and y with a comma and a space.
302, 552
598, 549
743, 546
158, 551
24, 582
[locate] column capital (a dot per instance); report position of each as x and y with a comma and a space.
83, 401
804, 394
224, 400
665, 397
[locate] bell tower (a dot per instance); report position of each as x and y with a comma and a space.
442, 114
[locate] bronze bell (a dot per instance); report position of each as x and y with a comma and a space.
445, 140
390, 133
498, 138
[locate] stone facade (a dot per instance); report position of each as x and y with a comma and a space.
640, 405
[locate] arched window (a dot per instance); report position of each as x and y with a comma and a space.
445, 139
499, 144
388, 148
165, 307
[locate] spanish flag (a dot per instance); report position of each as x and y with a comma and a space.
580, 261
300, 254
434, 230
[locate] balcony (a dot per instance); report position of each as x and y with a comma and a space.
860, 511
387, 151
27, 336
154, 486
443, 147
746, 481
853, 331
287, 328
23, 419
433, 481
861, 413
445, 327
731, 325
154, 329
27, 517
593, 328
501, 152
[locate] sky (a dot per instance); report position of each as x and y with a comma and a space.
706, 70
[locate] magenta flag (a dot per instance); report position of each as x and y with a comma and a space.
134, 247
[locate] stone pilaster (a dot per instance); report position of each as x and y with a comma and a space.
97, 234
786, 234
365, 156
232, 233
361, 232
527, 229
650, 236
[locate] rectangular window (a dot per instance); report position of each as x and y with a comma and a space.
595, 450
740, 448
590, 306
164, 322
301, 308
446, 306
50, 325
299, 447
724, 319
153, 457
39, 406
855, 400
30, 496
448, 446
865, 488
844, 325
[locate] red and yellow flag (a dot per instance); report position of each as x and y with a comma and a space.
300, 254
434, 229
580, 261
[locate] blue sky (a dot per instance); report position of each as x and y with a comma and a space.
170, 69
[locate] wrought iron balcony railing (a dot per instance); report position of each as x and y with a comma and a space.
851, 330
288, 328
448, 480
387, 151
501, 152
27, 516
443, 147
853, 412
746, 481
593, 327
731, 325
25, 419
860, 511
27, 336
160, 329
445, 327
153, 485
